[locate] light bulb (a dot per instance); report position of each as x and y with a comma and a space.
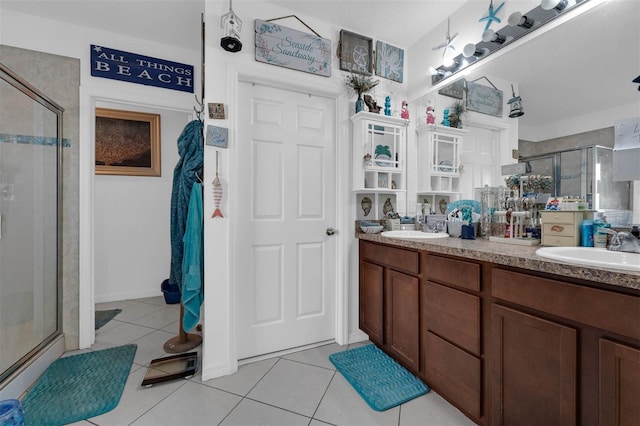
432, 71
470, 50
492, 36
448, 61
558, 5
517, 19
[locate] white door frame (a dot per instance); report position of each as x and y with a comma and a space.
342, 152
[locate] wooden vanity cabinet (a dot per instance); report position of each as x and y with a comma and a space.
507, 346
562, 353
390, 300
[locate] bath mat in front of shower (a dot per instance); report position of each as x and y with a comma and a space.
103, 317
78, 387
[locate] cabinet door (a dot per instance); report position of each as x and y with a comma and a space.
372, 301
403, 318
619, 384
533, 370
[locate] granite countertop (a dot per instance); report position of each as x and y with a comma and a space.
512, 255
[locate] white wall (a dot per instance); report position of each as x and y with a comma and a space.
132, 220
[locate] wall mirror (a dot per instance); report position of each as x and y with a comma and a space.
578, 75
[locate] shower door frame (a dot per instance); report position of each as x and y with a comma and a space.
30, 91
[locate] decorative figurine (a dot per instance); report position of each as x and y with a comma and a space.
387, 106
445, 118
371, 104
431, 117
405, 110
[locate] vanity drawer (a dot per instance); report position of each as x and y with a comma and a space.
454, 315
453, 372
607, 310
451, 271
393, 257
559, 241
558, 229
559, 217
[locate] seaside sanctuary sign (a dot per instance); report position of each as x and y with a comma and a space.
140, 69
289, 48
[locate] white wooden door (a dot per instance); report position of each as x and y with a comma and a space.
481, 160
285, 259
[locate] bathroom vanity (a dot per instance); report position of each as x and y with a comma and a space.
506, 336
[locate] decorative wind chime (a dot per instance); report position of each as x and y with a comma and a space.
217, 191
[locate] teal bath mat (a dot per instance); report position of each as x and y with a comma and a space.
103, 317
378, 379
78, 387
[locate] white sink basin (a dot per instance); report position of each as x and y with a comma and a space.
414, 234
588, 256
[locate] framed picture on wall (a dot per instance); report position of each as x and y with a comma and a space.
389, 61
356, 53
127, 143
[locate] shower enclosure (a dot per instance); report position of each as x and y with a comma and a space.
30, 221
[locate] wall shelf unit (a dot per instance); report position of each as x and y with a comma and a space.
379, 163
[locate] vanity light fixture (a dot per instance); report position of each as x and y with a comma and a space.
519, 25
492, 36
517, 19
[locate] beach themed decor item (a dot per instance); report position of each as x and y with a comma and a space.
404, 113
232, 26
293, 49
217, 191
360, 84
389, 61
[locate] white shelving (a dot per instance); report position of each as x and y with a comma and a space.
439, 150
379, 162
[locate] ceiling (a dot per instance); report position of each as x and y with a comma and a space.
177, 22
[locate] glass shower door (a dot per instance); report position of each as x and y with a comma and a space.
30, 130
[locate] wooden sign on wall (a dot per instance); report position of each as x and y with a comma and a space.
289, 48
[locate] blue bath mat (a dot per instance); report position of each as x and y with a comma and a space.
78, 387
378, 379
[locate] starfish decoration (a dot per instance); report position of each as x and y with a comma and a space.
491, 16
448, 44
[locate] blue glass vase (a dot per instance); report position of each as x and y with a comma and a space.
359, 104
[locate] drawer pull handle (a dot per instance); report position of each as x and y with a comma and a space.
557, 228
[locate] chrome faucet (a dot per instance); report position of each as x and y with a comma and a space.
622, 241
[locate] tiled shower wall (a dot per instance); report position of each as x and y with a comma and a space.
58, 78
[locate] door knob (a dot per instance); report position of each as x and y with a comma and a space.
331, 231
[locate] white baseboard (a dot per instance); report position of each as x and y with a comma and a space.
357, 336
126, 296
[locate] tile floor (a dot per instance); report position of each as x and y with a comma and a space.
301, 388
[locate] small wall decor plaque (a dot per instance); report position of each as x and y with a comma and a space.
454, 90
217, 136
216, 111
484, 99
